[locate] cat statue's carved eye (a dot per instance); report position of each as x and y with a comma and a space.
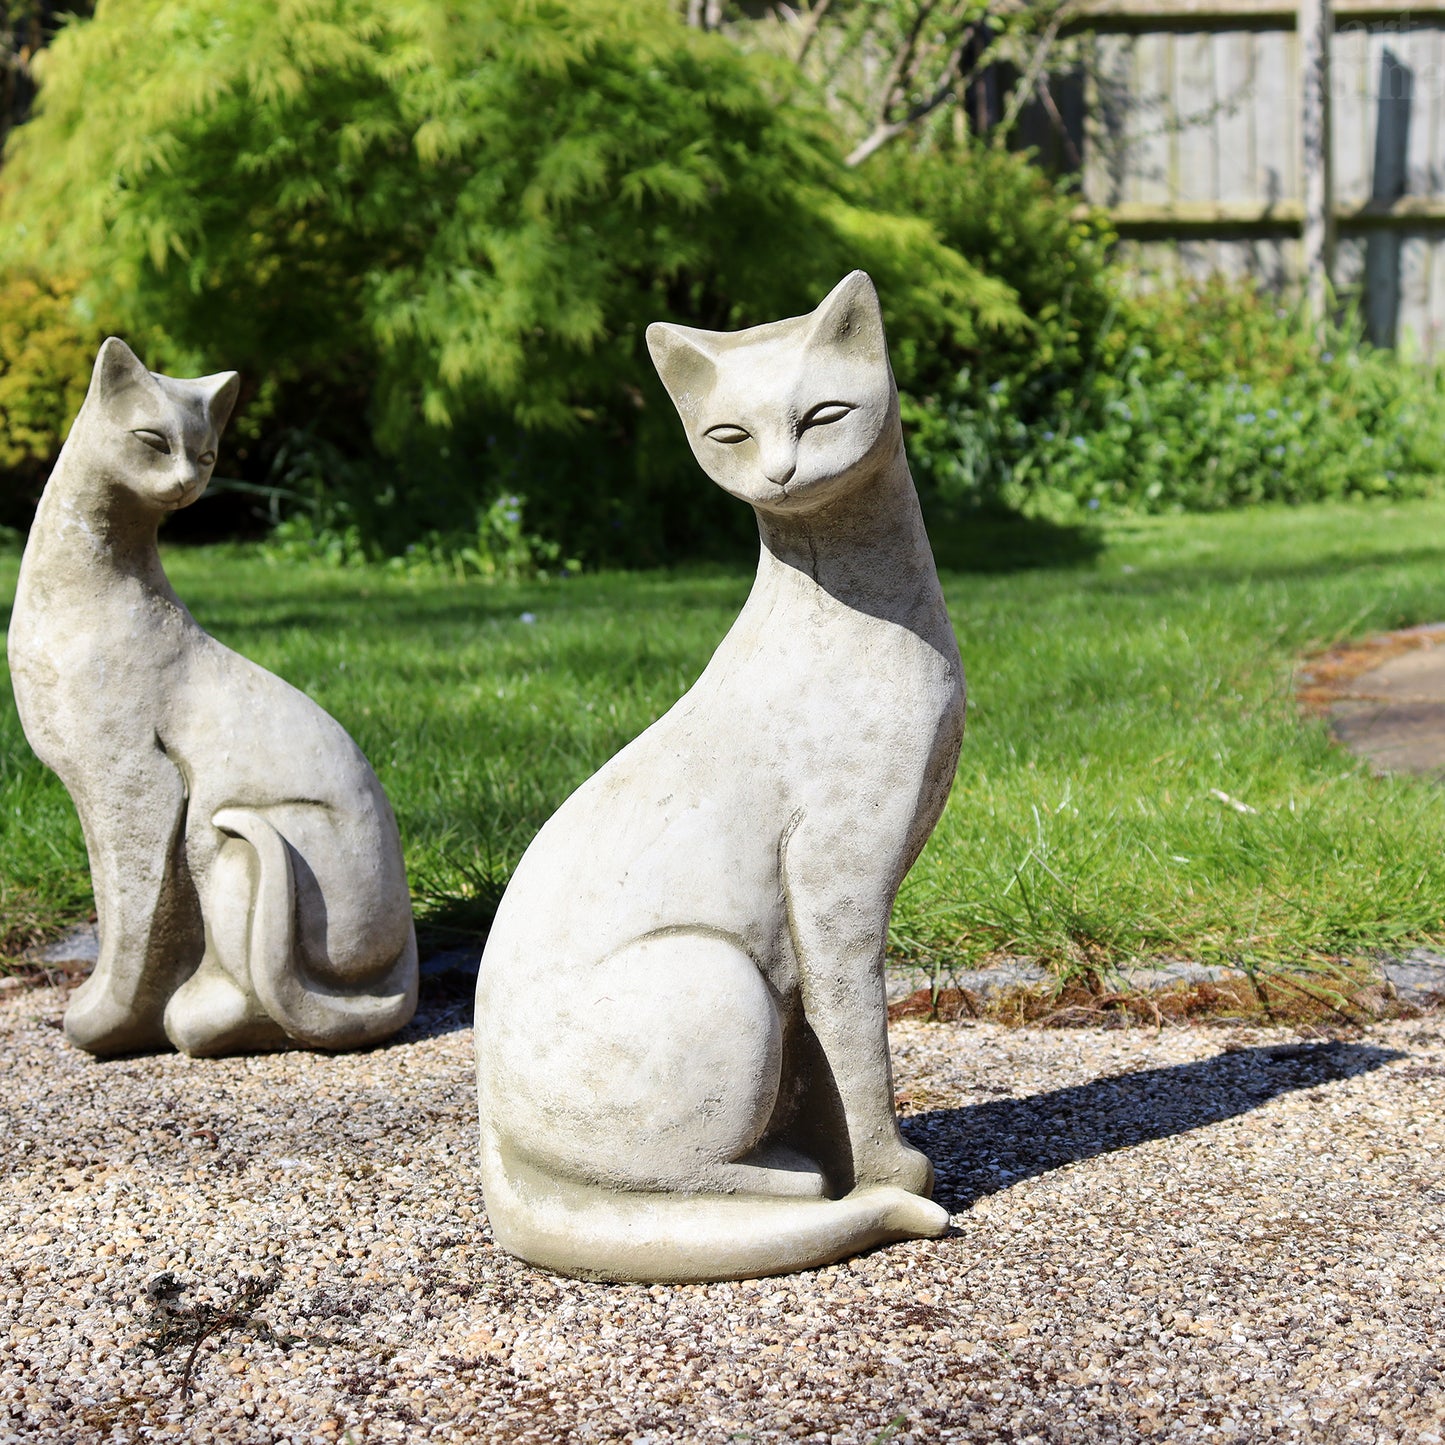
154, 440
728, 434
207, 459
828, 411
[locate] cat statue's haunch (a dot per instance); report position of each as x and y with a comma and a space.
681, 1030
248, 876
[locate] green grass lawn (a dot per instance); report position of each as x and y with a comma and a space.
1111, 690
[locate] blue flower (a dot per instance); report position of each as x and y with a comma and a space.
1246, 418
513, 516
1082, 445
1272, 414
1093, 504
528, 617
1328, 356
1048, 436
996, 387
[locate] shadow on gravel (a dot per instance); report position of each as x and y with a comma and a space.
984, 1148
444, 1005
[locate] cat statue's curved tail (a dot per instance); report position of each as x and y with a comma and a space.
591, 1232
312, 1015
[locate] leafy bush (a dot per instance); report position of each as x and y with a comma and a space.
497, 548
47, 347
998, 209
1199, 398
441, 230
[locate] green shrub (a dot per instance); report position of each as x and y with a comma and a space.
1197, 399
998, 209
439, 231
47, 347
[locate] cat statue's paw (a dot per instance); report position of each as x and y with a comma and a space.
98, 1024
902, 1166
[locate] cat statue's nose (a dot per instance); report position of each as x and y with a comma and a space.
182, 487
778, 457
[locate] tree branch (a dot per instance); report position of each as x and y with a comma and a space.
1025, 88
902, 59
809, 27
942, 92
1071, 151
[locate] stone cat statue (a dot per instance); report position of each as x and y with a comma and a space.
683, 1065
247, 871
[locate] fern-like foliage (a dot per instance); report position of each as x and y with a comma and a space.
437, 211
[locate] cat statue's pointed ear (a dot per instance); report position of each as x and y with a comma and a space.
684, 361
117, 369
220, 391
851, 318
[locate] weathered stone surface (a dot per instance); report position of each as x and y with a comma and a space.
682, 1041
248, 876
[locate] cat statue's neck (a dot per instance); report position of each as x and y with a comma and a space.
799, 418
143, 445
867, 550
82, 522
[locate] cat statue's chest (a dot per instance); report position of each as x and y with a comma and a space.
828, 678
819, 688
91, 646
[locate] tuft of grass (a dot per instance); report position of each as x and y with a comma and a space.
1116, 692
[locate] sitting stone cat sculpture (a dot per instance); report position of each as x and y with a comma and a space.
681, 1029
247, 871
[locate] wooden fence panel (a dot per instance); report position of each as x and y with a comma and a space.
1234, 69
1353, 121
1191, 139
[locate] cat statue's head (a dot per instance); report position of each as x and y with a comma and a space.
153, 437
789, 415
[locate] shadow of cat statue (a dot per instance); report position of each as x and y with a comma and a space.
248, 876
682, 1045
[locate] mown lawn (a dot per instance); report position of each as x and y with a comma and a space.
1111, 689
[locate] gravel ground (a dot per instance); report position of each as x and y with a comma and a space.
1199, 1234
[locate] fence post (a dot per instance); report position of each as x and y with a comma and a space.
1315, 26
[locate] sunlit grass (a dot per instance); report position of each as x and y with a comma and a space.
1110, 698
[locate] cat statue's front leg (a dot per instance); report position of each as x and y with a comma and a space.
838, 940
149, 919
